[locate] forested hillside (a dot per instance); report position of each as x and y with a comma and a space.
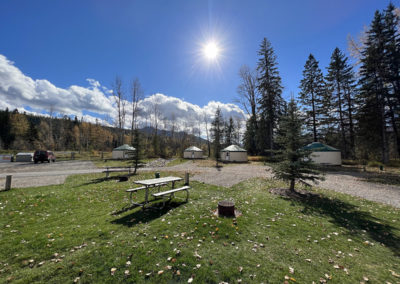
21, 131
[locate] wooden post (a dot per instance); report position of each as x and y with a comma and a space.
8, 182
186, 178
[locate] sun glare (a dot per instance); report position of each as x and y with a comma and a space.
211, 50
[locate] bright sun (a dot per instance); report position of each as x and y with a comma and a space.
211, 50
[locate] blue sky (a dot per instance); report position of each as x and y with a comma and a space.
67, 42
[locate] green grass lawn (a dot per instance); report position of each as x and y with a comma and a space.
176, 162
80, 231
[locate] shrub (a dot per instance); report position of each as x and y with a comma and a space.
374, 164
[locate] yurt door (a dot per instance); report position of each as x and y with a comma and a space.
227, 156
192, 155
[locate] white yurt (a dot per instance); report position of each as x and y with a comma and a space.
123, 152
324, 155
233, 153
193, 153
24, 157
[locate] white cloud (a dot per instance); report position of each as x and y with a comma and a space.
18, 90
37, 96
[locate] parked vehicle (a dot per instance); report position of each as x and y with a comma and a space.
43, 156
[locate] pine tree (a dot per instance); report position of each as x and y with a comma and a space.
296, 164
340, 82
216, 134
6, 135
392, 63
250, 136
270, 89
137, 158
373, 90
313, 94
229, 132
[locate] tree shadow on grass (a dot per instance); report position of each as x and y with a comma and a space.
103, 179
147, 215
350, 217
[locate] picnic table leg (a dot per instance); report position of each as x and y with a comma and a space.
146, 196
173, 184
107, 173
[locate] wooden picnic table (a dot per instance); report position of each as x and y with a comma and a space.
147, 184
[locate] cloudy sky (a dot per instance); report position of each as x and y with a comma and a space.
64, 55
39, 96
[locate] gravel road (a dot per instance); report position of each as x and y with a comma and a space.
29, 174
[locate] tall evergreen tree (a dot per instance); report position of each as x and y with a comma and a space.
216, 134
392, 62
250, 134
6, 133
313, 94
137, 158
373, 88
295, 164
229, 132
270, 101
340, 82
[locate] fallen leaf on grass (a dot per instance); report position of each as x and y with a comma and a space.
190, 280
291, 270
160, 272
327, 276
394, 273
113, 270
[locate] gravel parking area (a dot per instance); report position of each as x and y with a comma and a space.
353, 184
30, 174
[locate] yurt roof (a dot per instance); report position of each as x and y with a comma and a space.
193, 149
320, 147
233, 148
124, 147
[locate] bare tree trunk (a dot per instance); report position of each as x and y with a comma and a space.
136, 96
342, 130
292, 183
208, 138
119, 99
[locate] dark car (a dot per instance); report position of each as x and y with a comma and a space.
43, 156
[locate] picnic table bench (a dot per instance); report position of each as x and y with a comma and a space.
170, 193
116, 170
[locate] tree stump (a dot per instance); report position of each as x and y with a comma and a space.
226, 208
